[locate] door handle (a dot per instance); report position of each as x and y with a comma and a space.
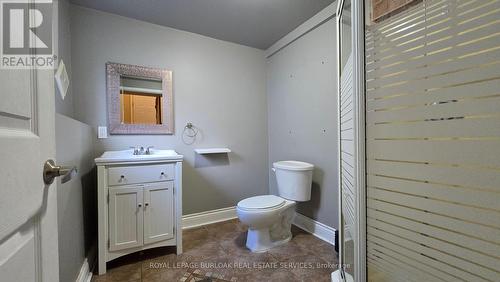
51, 171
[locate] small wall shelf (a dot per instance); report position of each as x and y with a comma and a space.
212, 151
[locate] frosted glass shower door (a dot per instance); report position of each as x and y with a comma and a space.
347, 152
433, 142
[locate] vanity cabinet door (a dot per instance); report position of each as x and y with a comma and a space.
158, 212
125, 217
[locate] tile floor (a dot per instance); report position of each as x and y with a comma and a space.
218, 251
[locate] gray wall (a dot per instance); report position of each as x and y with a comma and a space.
302, 110
63, 51
74, 143
219, 86
74, 146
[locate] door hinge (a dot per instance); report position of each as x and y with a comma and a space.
108, 243
107, 198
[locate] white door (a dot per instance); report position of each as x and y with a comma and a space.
126, 216
28, 207
158, 212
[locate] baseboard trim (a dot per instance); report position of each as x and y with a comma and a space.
208, 217
85, 274
87, 269
316, 228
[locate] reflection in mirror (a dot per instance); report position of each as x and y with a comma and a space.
140, 100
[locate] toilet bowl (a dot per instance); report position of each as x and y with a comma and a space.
269, 217
269, 220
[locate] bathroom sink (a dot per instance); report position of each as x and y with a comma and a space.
128, 156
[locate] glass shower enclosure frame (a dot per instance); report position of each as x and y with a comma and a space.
350, 18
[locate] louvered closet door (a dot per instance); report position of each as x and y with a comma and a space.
433, 143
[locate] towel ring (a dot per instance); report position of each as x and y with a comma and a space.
190, 131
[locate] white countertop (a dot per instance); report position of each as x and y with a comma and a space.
124, 156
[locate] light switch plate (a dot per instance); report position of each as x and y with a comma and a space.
62, 79
102, 132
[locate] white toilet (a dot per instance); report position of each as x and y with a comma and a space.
269, 217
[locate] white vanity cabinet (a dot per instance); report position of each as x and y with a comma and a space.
139, 203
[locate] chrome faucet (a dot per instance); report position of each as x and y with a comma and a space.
141, 151
136, 151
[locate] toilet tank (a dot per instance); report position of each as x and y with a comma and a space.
294, 179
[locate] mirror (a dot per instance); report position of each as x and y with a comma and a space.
139, 100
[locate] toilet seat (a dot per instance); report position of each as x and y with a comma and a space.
263, 202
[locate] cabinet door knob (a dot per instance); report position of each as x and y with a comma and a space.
139, 205
146, 204
162, 173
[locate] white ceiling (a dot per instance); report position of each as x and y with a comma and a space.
255, 23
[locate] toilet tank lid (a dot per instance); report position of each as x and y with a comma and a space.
261, 202
293, 165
